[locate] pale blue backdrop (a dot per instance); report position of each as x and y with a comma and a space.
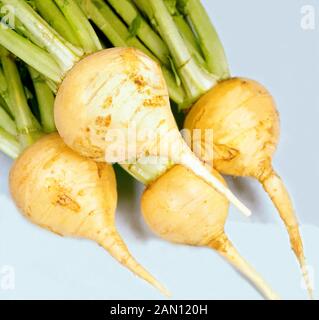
264, 41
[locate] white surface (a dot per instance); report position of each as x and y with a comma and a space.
264, 41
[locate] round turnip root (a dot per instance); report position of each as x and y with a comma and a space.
112, 91
63, 192
245, 124
188, 211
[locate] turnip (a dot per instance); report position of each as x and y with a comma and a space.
106, 93
245, 121
188, 211
67, 194
45, 168
55, 187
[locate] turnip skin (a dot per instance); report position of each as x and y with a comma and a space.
246, 126
49, 182
70, 195
190, 212
245, 137
184, 214
115, 84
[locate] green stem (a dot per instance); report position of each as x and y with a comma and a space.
30, 54
9, 145
175, 90
4, 93
45, 100
117, 32
51, 13
189, 39
186, 32
52, 85
63, 52
112, 27
28, 127
21, 29
80, 25
129, 13
196, 80
208, 38
7, 123
5, 107
145, 7
184, 29
147, 173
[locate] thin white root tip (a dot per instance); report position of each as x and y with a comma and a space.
190, 161
114, 244
237, 203
306, 277
164, 291
279, 195
229, 252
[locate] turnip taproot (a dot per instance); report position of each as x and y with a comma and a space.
245, 124
63, 192
115, 89
188, 211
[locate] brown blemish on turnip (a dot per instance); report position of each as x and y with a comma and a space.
65, 201
81, 144
103, 121
155, 102
61, 196
139, 81
100, 167
108, 102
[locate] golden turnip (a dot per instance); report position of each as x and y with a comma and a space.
188, 211
245, 123
67, 194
